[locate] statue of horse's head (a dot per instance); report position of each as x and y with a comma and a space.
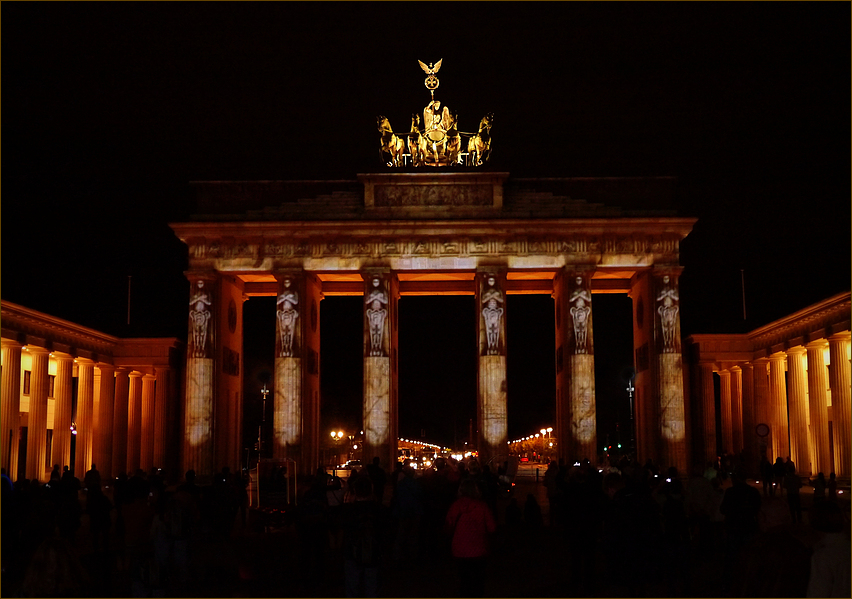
383, 123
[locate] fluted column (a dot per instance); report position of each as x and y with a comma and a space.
85, 415
62, 409
134, 422
708, 411
10, 416
119, 419
778, 405
737, 408
761, 403
798, 395
751, 448
818, 404
727, 418
164, 376
103, 433
839, 378
37, 425
146, 445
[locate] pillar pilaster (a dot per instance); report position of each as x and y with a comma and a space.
119, 420
85, 416
37, 420
162, 387
751, 449
818, 405
146, 444
10, 412
761, 404
198, 444
134, 422
708, 412
576, 421
491, 364
798, 407
381, 296
737, 408
778, 405
727, 417
839, 379
289, 361
103, 433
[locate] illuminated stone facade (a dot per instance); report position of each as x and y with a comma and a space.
393, 234
792, 375
56, 374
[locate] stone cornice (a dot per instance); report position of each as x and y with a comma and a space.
31, 326
817, 319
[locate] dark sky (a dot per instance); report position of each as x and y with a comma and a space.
109, 109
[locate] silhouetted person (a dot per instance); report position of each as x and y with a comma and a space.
378, 477
766, 476
740, 507
779, 471
92, 478
55, 571
532, 513
832, 487
98, 507
363, 540
470, 524
792, 483
819, 486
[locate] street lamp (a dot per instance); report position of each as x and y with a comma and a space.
630, 390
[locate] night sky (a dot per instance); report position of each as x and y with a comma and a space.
110, 109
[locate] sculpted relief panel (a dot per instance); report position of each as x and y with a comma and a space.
433, 195
633, 249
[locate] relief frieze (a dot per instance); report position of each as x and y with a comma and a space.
433, 195
424, 246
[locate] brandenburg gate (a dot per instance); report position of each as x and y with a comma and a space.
392, 234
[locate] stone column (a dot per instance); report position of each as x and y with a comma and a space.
778, 405
146, 444
381, 296
751, 448
839, 378
761, 405
798, 400
287, 393
119, 421
134, 422
10, 416
85, 416
162, 386
198, 445
103, 435
576, 424
668, 389
62, 409
708, 412
737, 408
37, 419
727, 418
818, 403
491, 365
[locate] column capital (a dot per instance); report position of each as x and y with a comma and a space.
817, 344
34, 349
84, 361
736, 368
797, 350
777, 357
11, 343
841, 336
203, 275
105, 366
62, 356
135, 374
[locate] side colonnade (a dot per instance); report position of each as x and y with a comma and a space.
783, 391
75, 397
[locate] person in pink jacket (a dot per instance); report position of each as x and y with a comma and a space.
470, 524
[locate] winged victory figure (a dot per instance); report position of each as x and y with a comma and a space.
431, 69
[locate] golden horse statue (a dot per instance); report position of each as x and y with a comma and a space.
391, 143
479, 146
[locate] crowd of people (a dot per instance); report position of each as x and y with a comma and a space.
621, 528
